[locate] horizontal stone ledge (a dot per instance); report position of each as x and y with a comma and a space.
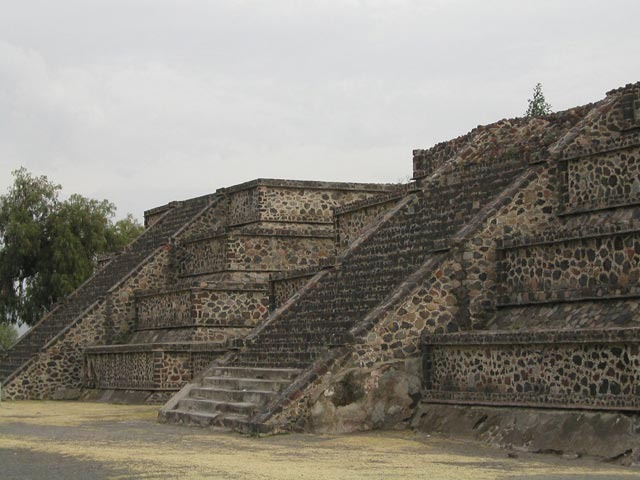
284, 234
626, 142
178, 203
505, 337
303, 272
229, 270
160, 209
536, 158
193, 325
597, 207
141, 388
210, 235
159, 292
279, 221
297, 274
158, 347
534, 400
438, 246
236, 287
542, 297
555, 237
264, 233
308, 185
239, 287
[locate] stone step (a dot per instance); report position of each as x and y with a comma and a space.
239, 423
239, 383
314, 345
257, 397
274, 362
217, 406
9, 366
280, 341
13, 361
242, 423
256, 373
187, 417
301, 353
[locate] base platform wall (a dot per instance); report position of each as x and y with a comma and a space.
606, 435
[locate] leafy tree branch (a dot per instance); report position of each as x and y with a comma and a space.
48, 246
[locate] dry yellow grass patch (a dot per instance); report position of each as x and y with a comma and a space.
144, 449
42, 412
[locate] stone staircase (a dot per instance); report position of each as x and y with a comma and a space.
97, 286
221, 290
230, 396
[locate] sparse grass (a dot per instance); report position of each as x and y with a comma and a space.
68, 414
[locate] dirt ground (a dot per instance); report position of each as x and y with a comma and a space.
67, 440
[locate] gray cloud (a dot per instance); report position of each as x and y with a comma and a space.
143, 102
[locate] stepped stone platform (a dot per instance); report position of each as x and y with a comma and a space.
182, 294
503, 278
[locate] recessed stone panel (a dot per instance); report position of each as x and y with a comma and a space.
599, 266
601, 181
156, 369
579, 369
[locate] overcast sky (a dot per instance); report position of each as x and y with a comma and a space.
147, 101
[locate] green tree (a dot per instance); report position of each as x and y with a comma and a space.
538, 106
123, 231
8, 335
48, 246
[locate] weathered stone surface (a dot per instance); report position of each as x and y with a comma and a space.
352, 219
147, 367
585, 266
359, 399
596, 369
207, 305
285, 284
610, 436
603, 180
294, 201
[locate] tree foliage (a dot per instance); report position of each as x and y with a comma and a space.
538, 105
8, 335
48, 246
